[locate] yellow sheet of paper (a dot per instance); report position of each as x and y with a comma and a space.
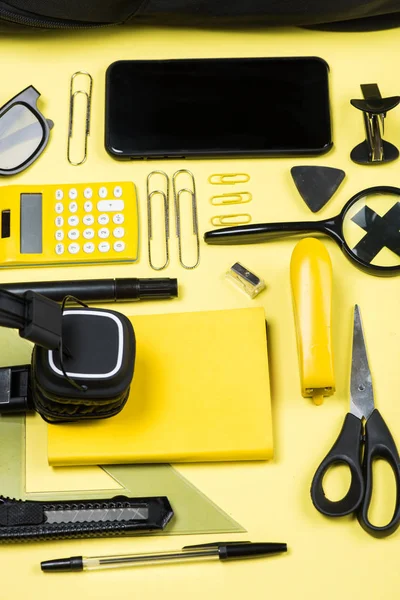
197, 394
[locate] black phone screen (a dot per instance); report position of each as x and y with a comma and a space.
217, 107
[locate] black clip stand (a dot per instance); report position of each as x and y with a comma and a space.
374, 149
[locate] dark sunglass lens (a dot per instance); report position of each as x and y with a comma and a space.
21, 134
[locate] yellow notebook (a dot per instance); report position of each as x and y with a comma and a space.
200, 392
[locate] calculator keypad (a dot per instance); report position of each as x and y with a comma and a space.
89, 247
88, 220
118, 219
73, 221
110, 205
119, 246
103, 232
96, 215
73, 234
104, 247
88, 233
119, 232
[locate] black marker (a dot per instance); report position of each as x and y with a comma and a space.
101, 290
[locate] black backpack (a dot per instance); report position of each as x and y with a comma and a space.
77, 14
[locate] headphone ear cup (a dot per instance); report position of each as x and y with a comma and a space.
100, 362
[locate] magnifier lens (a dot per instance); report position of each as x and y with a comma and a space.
371, 229
20, 136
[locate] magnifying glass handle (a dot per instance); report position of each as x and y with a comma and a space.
262, 232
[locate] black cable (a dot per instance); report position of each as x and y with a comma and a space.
63, 350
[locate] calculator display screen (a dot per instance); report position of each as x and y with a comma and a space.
31, 224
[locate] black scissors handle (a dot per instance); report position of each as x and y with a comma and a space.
346, 450
379, 443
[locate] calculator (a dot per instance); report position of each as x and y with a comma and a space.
55, 225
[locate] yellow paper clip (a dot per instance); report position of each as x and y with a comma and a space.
234, 198
238, 219
228, 178
72, 97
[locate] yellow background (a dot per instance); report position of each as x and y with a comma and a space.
327, 558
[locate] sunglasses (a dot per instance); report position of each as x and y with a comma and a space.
24, 132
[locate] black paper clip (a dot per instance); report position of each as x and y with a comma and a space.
374, 149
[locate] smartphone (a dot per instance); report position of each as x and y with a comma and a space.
208, 108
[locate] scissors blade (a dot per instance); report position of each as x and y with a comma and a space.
361, 391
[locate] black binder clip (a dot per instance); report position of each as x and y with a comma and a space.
374, 149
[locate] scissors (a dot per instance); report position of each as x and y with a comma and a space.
377, 441
367, 230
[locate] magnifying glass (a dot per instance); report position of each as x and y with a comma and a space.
367, 230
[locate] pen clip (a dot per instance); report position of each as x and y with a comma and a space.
215, 545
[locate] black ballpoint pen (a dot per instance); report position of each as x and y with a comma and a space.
215, 550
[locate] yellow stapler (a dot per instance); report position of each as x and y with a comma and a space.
311, 281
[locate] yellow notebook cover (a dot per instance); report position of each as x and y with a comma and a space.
200, 392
